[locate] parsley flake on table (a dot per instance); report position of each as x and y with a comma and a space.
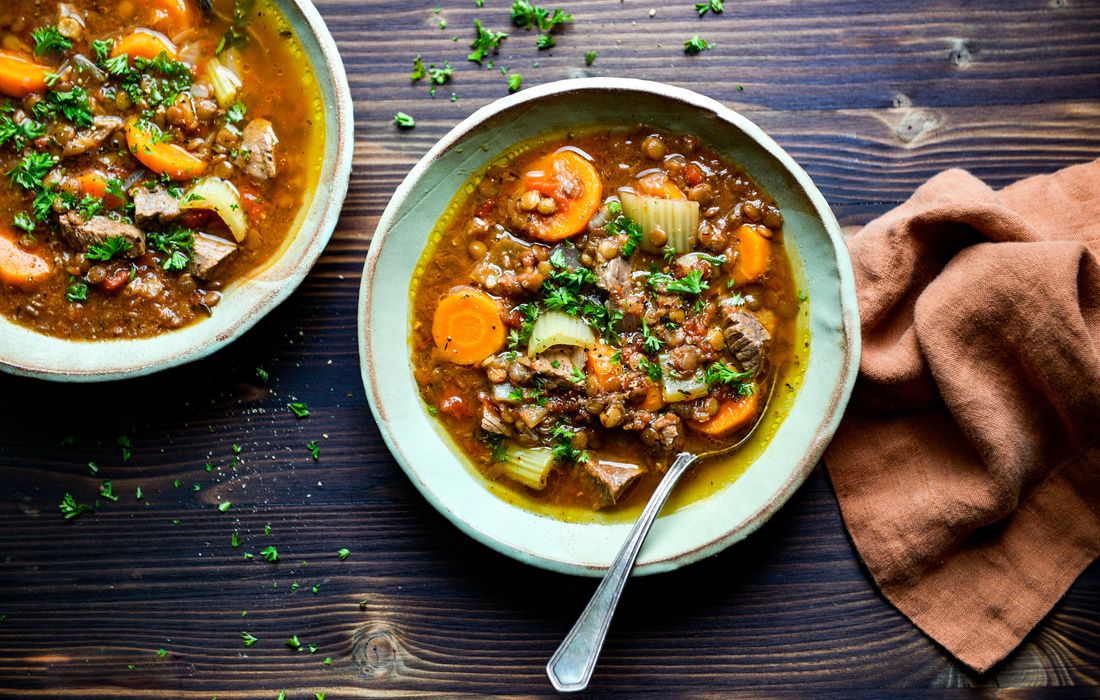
248, 639
106, 490
162, 652
235, 540
515, 81
138, 494
589, 57
527, 15
270, 553
316, 588
71, 509
314, 450
715, 6
267, 529
327, 661
485, 41
125, 444
262, 373
404, 121
299, 409
294, 643
695, 45
225, 506
418, 71
343, 553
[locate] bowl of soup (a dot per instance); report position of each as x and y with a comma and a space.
175, 168
582, 281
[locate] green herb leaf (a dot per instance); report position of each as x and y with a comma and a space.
71, 509
515, 81
343, 553
49, 39
485, 41
77, 291
589, 57
270, 553
248, 639
695, 45
404, 121
108, 249
224, 506
299, 409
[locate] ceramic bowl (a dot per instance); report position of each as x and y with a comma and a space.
439, 471
25, 352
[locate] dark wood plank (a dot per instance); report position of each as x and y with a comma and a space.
871, 97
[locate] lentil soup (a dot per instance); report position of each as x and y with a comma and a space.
157, 153
594, 303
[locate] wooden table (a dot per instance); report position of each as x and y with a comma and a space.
871, 98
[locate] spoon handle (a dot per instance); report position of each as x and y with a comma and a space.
571, 666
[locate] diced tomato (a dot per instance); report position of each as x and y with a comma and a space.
454, 404
116, 281
693, 174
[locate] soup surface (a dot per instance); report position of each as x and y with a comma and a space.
156, 152
597, 303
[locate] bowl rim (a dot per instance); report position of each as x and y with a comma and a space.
335, 172
849, 316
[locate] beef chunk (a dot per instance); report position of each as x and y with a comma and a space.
91, 139
612, 478
208, 254
614, 277
82, 233
746, 338
154, 207
257, 157
491, 422
561, 368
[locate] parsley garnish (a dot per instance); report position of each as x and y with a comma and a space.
485, 41
19, 134
651, 343
108, 249
49, 39
715, 6
314, 449
693, 283
262, 373
177, 244
624, 225
224, 506
71, 509
563, 445
545, 41
73, 105
515, 81
248, 639
299, 409
270, 553
496, 445
108, 491
721, 373
527, 15
589, 57
404, 121
235, 113
418, 71
343, 553
530, 312
77, 291
651, 368
30, 172
695, 45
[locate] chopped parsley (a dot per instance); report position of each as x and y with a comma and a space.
404, 121
106, 490
77, 291
108, 249
545, 41
224, 506
721, 373
343, 553
695, 45
270, 553
652, 369
48, 39
235, 113
527, 15
515, 81
21, 133
30, 172
71, 509
235, 540
73, 105
294, 643
563, 449
418, 71
177, 244
314, 450
589, 57
497, 448
486, 41
693, 283
248, 639
262, 373
715, 6
530, 312
624, 225
299, 409
651, 343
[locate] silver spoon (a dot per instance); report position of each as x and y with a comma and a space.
570, 668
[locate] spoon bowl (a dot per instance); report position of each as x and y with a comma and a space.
570, 668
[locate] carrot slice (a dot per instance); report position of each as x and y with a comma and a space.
731, 415
601, 366
658, 184
172, 15
94, 182
20, 76
573, 183
162, 158
467, 326
144, 43
20, 267
653, 399
753, 253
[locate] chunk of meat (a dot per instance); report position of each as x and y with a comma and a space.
154, 206
670, 432
83, 233
561, 368
616, 277
491, 422
612, 479
91, 139
257, 153
209, 252
746, 338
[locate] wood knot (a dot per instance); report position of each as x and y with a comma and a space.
378, 653
959, 55
916, 123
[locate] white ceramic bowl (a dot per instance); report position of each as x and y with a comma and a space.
438, 470
25, 352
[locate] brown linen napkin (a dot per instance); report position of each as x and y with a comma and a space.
968, 463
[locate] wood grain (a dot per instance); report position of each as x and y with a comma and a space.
872, 98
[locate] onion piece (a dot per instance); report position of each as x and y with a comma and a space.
679, 218
686, 389
558, 328
225, 82
221, 197
529, 466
